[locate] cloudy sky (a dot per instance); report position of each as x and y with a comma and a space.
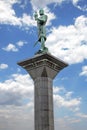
66, 39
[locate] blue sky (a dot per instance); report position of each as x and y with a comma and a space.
66, 39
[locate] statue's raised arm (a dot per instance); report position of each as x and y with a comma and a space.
41, 21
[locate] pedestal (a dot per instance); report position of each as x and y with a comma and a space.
43, 68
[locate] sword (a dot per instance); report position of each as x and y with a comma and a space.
36, 43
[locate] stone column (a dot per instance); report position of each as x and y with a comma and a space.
44, 119
43, 68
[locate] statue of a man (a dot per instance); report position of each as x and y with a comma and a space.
41, 21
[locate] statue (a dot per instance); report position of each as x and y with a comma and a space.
41, 21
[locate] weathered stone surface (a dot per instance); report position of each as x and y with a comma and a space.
43, 103
44, 65
43, 69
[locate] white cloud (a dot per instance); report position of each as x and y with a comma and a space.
14, 48
3, 66
44, 3
51, 15
19, 88
16, 89
12, 117
72, 104
68, 95
10, 47
27, 20
67, 122
84, 71
80, 6
16, 100
69, 42
82, 115
72, 120
57, 90
21, 43
8, 15
66, 101
75, 1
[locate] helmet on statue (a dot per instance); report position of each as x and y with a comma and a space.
41, 11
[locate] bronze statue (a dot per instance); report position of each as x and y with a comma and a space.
41, 21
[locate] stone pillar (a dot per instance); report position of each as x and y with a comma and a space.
43, 104
43, 68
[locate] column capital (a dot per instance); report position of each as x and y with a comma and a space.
43, 65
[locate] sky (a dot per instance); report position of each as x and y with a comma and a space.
66, 30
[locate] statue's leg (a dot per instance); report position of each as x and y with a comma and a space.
42, 43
